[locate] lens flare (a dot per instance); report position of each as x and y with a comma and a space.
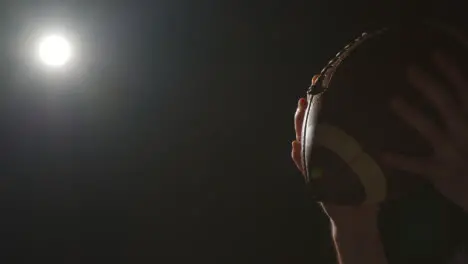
54, 51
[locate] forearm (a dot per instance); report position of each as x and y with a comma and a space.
358, 244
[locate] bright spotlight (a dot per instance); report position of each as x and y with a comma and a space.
54, 51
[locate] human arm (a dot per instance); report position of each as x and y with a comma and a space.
358, 242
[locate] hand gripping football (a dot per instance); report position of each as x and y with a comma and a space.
348, 123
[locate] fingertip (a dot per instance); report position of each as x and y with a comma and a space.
296, 154
293, 150
315, 78
301, 102
295, 144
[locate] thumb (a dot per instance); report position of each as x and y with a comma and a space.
297, 155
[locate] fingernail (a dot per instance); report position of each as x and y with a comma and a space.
301, 102
314, 79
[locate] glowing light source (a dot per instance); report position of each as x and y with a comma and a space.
54, 51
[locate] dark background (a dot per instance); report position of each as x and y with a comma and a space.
171, 142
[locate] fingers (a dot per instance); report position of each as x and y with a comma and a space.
299, 117
296, 154
315, 78
421, 123
435, 92
455, 76
422, 166
443, 101
300, 112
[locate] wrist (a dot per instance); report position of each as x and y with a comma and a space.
367, 223
359, 244
356, 230
360, 230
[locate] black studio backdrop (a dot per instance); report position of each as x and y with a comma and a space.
173, 143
